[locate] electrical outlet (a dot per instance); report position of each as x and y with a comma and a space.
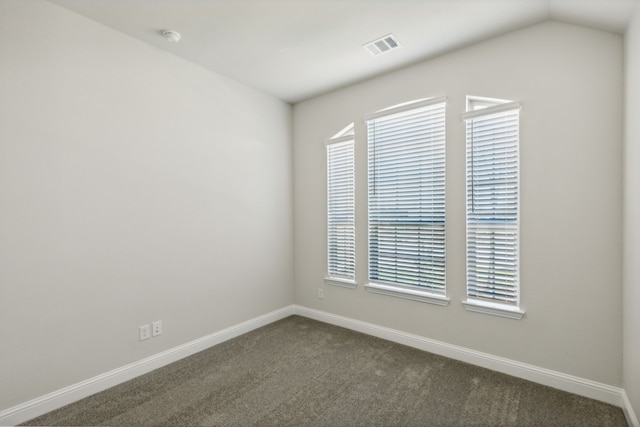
145, 332
320, 293
156, 328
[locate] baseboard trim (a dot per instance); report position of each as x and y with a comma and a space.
41, 405
583, 387
559, 380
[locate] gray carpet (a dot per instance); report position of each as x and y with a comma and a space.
300, 372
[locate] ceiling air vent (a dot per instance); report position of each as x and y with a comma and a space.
382, 45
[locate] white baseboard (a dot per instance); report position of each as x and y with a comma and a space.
559, 380
41, 405
583, 387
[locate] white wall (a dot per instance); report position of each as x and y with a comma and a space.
569, 80
632, 216
134, 187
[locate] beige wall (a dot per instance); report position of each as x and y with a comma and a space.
631, 296
134, 187
569, 80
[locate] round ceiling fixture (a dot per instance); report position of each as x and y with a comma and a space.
172, 36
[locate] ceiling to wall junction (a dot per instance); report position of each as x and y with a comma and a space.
296, 49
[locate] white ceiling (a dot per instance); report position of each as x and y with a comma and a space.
295, 49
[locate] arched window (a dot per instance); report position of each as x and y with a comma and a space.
493, 206
406, 170
341, 208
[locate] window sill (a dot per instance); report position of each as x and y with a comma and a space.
494, 309
343, 283
407, 293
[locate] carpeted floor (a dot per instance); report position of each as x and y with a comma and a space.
300, 372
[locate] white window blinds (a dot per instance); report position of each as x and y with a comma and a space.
492, 130
407, 195
341, 207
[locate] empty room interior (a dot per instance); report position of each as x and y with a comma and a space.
172, 176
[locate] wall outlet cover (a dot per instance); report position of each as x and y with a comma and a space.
145, 332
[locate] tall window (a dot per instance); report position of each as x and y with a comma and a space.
407, 201
341, 208
492, 129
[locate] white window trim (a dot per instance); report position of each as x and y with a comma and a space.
346, 135
339, 139
407, 293
343, 283
407, 106
479, 305
507, 106
496, 309
400, 290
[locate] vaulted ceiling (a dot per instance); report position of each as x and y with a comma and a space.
295, 49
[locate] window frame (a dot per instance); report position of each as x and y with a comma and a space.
403, 290
342, 138
489, 107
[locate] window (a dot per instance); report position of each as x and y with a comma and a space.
492, 206
407, 201
341, 209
